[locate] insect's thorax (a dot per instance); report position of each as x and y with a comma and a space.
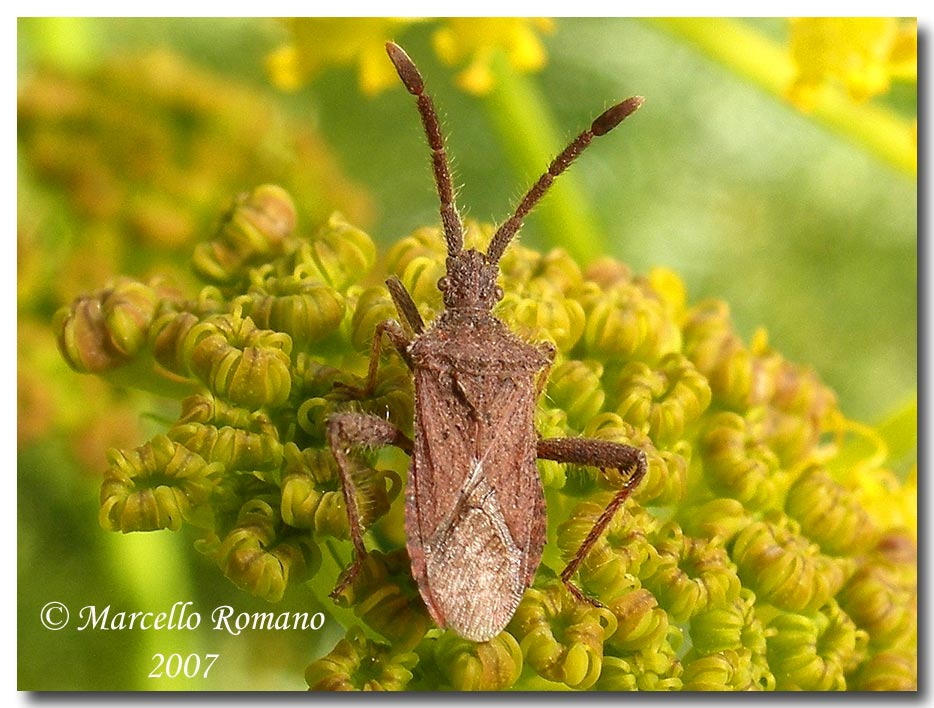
476, 342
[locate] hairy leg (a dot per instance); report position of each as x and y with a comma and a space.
603, 454
346, 431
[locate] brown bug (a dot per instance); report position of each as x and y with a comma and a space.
474, 506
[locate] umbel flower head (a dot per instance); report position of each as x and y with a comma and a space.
748, 558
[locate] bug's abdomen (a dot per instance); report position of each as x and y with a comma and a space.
473, 567
475, 512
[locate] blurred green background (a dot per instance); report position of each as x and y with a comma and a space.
134, 134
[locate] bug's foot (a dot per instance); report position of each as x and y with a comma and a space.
580, 595
345, 579
351, 391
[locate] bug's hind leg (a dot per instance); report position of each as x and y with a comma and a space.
346, 431
603, 454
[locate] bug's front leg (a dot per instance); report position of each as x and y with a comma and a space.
603, 454
346, 431
395, 332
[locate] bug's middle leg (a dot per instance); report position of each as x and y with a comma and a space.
346, 431
603, 454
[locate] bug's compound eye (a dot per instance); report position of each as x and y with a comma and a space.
498, 293
443, 283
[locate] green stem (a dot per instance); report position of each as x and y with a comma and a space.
153, 570
900, 431
769, 65
530, 139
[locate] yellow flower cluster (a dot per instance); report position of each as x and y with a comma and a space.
861, 54
753, 556
469, 42
119, 171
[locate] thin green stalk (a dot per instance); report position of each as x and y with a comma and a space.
743, 50
152, 569
900, 431
530, 139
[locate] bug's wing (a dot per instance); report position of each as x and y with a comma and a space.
475, 516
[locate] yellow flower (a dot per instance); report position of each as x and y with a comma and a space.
472, 41
318, 42
862, 53
475, 40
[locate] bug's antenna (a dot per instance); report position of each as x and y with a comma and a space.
602, 125
412, 79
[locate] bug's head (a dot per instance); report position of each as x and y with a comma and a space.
470, 282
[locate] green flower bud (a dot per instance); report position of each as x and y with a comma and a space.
615, 561
494, 665
383, 595
670, 288
728, 670
783, 568
881, 597
653, 669
641, 623
418, 260
258, 557
630, 322
740, 377
256, 227
312, 416
207, 410
427, 242
718, 520
373, 307
167, 339
661, 401
311, 494
618, 674
888, 671
306, 310
83, 338
420, 277
312, 378
556, 269
157, 486
829, 515
235, 449
128, 312
738, 463
538, 312
574, 387
690, 575
798, 390
338, 255
733, 626
106, 329
561, 638
312, 497
358, 664
814, 652
551, 423
239, 362
718, 629
604, 273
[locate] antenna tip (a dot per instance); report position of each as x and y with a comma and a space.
612, 117
406, 69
